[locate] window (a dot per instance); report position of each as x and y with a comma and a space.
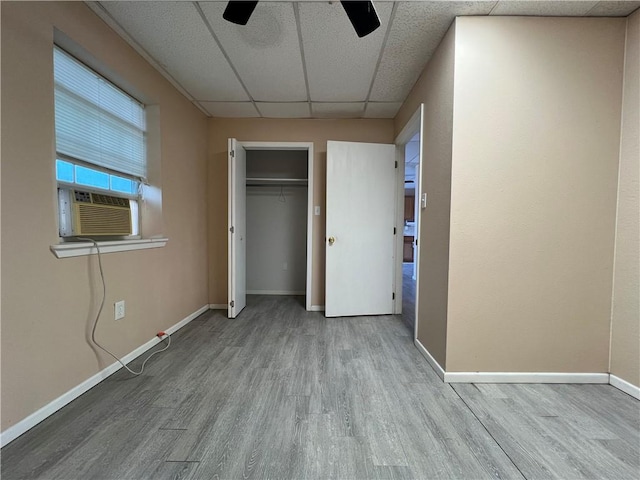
100, 132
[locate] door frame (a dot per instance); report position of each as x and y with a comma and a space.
413, 126
300, 146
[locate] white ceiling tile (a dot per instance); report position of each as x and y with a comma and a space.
382, 109
613, 9
416, 31
230, 109
174, 34
265, 52
284, 110
549, 8
340, 66
337, 110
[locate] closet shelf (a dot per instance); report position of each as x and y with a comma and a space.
253, 181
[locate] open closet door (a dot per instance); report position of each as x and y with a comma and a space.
237, 228
361, 204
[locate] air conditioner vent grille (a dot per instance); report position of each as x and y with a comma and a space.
102, 199
96, 220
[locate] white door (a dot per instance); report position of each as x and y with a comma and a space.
237, 228
361, 186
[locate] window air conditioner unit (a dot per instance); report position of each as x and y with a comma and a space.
93, 214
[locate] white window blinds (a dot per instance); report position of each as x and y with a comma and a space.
95, 121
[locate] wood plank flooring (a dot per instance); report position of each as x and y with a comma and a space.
284, 393
408, 296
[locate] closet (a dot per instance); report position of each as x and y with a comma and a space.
276, 221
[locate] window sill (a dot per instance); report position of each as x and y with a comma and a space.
78, 249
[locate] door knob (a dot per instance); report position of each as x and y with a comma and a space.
332, 240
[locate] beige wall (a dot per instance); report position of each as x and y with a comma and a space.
625, 324
276, 130
47, 303
435, 89
535, 162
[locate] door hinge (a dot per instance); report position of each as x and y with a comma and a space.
416, 241
232, 230
396, 164
393, 296
232, 304
232, 153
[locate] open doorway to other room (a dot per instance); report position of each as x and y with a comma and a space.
410, 230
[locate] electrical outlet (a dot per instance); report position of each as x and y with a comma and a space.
119, 309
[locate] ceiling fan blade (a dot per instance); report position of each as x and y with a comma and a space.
362, 15
239, 12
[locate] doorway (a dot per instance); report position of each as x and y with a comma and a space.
410, 204
270, 221
409, 247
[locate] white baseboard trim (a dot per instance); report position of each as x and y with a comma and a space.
32, 420
275, 292
218, 306
316, 308
524, 377
432, 361
625, 386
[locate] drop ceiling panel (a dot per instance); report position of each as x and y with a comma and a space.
543, 8
284, 110
415, 33
340, 66
382, 109
174, 34
613, 9
265, 51
230, 109
337, 110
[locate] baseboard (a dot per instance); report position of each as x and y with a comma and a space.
218, 306
524, 377
275, 292
432, 361
625, 386
32, 420
316, 308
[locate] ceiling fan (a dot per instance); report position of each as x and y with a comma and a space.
362, 15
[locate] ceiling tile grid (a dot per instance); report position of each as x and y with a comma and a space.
284, 109
230, 109
303, 59
175, 36
548, 7
415, 33
614, 9
337, 110
340, 66
382, 109
265, 52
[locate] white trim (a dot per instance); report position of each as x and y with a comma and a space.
218, 306
412, 126
32, 420
625, 386
275, 292
310, 207
302, 146
78, 249
524, 377
432, 361
316, 308
277, 145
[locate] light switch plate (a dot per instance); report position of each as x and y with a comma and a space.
119, 310
423, 201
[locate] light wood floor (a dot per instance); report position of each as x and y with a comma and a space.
284, 393
408, 296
